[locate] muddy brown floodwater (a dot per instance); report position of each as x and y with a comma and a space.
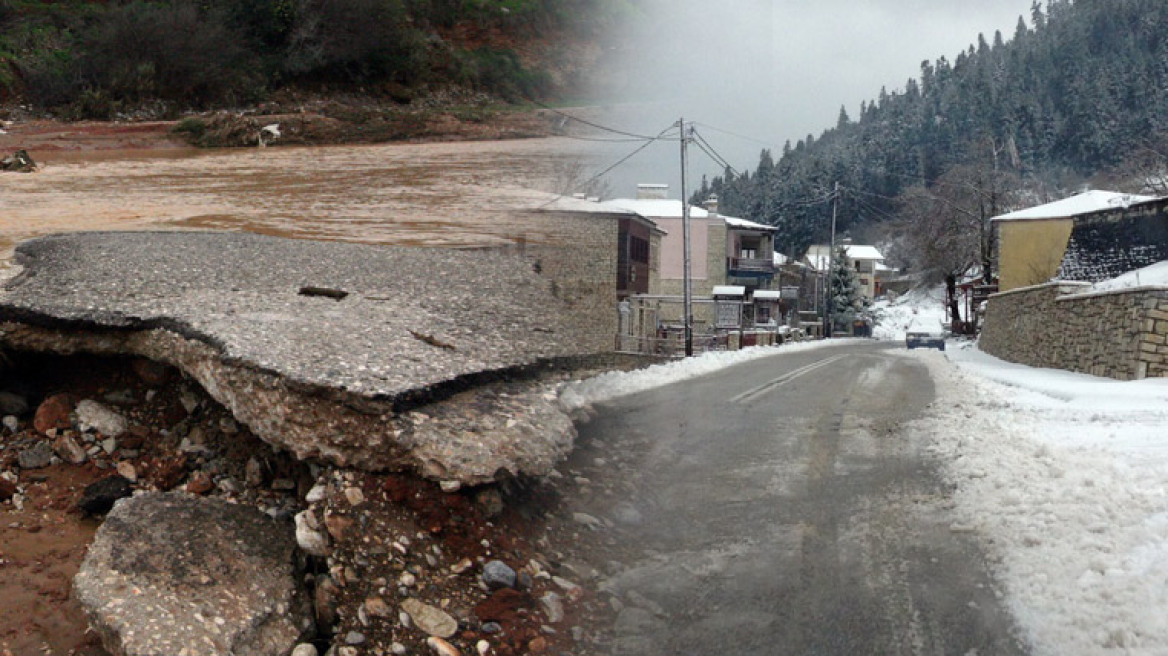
435, 194
438, 194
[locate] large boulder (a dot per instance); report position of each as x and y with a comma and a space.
173, 574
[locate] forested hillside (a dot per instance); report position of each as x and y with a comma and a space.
91, 58
1078, 89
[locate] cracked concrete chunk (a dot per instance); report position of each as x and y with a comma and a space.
166, 572
325, 376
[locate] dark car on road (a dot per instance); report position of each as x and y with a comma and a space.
925, 340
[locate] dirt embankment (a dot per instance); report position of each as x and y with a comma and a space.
290, 120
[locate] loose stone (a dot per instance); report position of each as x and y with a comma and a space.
93, 416
69, 450
441, 647
99, 497
354, 638
552, 607
305, 649
308, 535
497, 574
36, 457
354, 496
432, 620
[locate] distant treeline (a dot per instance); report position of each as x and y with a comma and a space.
1081, 87
89, 56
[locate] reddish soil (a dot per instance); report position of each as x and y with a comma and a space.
43, 135
42, 544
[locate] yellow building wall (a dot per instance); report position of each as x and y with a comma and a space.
1030, 252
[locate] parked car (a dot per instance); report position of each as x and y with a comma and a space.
925, 340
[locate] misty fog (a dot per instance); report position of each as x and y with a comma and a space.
768, 70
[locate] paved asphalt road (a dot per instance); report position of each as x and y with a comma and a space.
784, 510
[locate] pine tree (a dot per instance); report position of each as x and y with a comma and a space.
847, 303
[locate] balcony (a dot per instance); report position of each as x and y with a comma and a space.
741, 267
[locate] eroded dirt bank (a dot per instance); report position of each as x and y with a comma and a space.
392, 537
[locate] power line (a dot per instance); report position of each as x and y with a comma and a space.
623, 133
622, 160
735, 134
709, 149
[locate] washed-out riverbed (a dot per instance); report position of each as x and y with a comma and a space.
432, 194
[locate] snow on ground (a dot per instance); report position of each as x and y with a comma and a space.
921, 310
1065, 478
1062, 476
1152, 276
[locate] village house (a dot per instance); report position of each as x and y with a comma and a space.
864, 260
1032, 243
604, 255
724, 250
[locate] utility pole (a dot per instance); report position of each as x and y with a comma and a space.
830, 262
685, 236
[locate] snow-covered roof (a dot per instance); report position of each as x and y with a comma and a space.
768, 295
670, 208
743, 224
863, 252
658, 208
571, 204
1077, 205
729, 290
819, 257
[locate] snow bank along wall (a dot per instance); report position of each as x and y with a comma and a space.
1120, 334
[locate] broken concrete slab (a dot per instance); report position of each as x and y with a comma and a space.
357, 376
174, 574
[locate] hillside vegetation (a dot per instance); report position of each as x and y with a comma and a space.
91, 59
1078, 90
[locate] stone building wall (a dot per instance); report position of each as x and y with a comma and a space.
1121, 334
582, 269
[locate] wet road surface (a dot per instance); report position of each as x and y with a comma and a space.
782, 508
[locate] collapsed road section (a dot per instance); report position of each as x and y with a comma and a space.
346, 353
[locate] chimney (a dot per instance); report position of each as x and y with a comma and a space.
652, 191
711, 205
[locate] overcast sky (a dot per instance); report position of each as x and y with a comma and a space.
773, 70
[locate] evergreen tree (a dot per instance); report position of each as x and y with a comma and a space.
847, 303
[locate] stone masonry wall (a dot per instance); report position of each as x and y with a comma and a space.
582, 267
1121, 334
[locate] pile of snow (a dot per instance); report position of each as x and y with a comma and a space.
615, 384
1152, 276
1065, 476
921, 310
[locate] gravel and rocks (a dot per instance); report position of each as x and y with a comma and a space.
391, 540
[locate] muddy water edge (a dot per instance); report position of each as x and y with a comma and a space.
434, 195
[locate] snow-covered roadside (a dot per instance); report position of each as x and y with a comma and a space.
921, 310
608, 386
1065, 477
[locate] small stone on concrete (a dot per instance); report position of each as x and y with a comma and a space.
12, 424
305, 649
